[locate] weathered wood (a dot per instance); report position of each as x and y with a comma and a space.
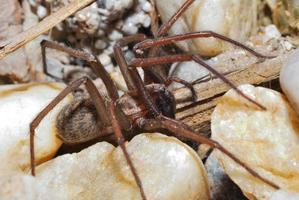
198, 114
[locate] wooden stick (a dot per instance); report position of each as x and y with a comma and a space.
45, 25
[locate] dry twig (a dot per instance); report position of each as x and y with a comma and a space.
45, 25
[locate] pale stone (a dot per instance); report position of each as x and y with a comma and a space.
280, 194
168, 169
268, 141
19, 105
236, 19
24, 187
289, 79
41, 11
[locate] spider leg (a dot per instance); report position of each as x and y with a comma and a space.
145, 62
200, 34
95, 97
200, 61
156, 74
121, 142
167, 25
142, 91
95, 64
172, 79
120, 58
181, 129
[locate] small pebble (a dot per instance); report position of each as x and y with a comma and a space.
115, 35
289, 79
104, 59
271, 32
41, 11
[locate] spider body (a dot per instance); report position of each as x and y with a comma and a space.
78, 122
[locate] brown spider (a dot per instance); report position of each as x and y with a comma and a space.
147, 107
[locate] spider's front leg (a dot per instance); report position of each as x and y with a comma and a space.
187, 36
155, 73
121, 142
180, 129
145, 62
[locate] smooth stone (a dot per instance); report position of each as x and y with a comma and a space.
289, 79
236, 19
19, 105
267, 141
168, 169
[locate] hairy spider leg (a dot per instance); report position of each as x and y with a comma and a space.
167, 25
181, 129
155, 73
95, 96
152, 72
121, 61
100, 72
120, 58
187, 36
121, 142
144, 62
172, 79
92, 60
170, 39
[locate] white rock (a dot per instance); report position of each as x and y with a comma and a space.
280, 194
117, 7
25, 187
115, 35
271, 32
105, 59
118, 79
268, 141
146, 6
235, 18
19, 104
100, 44
41, 11
188, 71
289, 79
168, 169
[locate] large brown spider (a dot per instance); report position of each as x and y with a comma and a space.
147, 107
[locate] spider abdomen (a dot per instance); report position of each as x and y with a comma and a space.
77, 122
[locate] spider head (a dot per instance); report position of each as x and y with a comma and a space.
163, 99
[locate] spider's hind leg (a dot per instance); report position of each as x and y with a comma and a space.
182, 130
